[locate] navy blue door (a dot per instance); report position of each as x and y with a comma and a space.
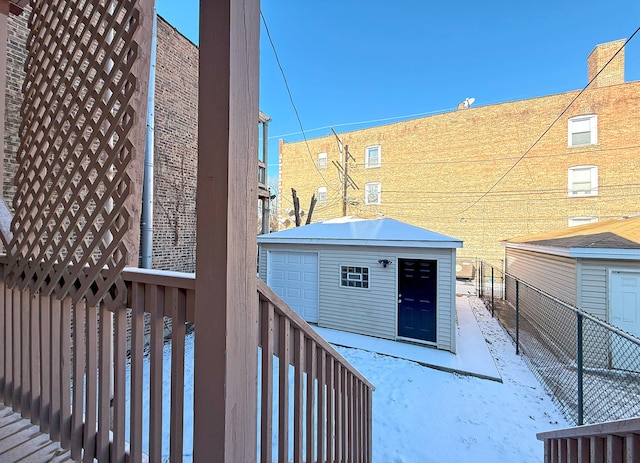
417, 289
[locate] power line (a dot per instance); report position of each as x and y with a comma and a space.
384, 119
286, 84
552, 124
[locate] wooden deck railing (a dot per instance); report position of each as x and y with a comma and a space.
330, 400
68, 367
93, 379
612, 442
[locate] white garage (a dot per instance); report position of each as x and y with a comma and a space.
380, 277
595, 267
294, 277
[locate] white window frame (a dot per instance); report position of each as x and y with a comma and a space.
368, 165
366, 193
573, 126
576, 221
322, 160
355, 276
594, 181
322, 194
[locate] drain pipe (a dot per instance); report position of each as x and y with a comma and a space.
146, 225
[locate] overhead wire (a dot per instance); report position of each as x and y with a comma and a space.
295, 109
503, 176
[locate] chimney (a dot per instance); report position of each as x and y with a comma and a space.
614, 73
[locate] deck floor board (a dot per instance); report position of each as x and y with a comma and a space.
22, 442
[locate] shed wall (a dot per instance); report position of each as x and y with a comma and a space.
373, 311
594, 281
552, 274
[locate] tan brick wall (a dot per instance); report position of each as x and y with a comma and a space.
434, 169
613, 74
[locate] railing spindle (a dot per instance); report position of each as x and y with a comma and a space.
154, 307
311, 373
65, 377
16, 401
283, 391
91, 396
119, 386
298, 405
78, 380
56, 373
136, 356
266, 406
177, 304
321, 412
105, 349
35, 360
25, 373
45, 363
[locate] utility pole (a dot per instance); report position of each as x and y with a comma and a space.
343, 170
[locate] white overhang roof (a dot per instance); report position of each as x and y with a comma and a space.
375, 232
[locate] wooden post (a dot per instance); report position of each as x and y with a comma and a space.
4, 15
226, 304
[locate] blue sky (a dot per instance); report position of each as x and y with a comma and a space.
350, 61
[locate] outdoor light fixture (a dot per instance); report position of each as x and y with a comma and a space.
384, 262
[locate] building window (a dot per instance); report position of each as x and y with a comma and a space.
575, 221
372, 193
322, 194
354, 277
322, 160
372, 156
583, 130
583, 181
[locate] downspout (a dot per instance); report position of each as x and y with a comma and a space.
146, 225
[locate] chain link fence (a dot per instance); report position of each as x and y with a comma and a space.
591, 368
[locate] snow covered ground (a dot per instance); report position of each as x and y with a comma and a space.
425, 415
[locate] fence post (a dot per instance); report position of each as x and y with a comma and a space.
517, 317
580, 373
492, 307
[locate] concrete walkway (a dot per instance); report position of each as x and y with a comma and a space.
472, 358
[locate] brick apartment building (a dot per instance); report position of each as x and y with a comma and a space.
435, 172
175, 159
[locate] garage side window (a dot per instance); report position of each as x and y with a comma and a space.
354, 277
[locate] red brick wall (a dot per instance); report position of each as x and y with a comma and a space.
16, 54
175, 164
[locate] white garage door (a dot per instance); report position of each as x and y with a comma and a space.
294, 277
625, 314
625, 301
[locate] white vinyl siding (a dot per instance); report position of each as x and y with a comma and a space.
373, 311
372, 156
594, 282
583, 181
583, 130
552, 274
372, 193
322, 160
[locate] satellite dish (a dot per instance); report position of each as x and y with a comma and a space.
468, 102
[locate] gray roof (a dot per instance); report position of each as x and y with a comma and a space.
375, 232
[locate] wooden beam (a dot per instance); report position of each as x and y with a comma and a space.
226, 305
4, 15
